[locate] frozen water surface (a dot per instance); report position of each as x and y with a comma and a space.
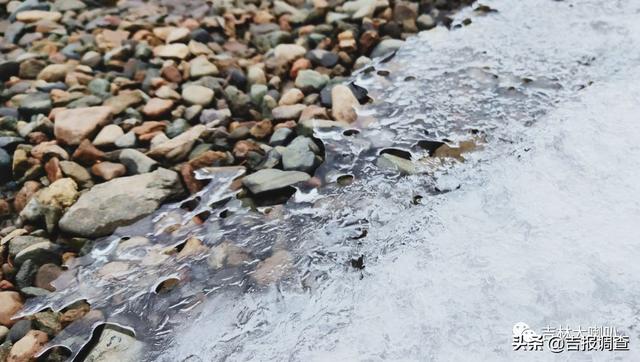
538, 226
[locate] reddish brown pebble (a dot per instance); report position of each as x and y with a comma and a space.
87, 153
52, 168
193, 185
25, 194
108, 170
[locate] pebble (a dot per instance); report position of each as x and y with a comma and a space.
26, 348
108, 135
118, 202
10, 304
125, 141
4, 331
19, 330
396, 163
344, 104
310, 81
425, 22
119, 90
272, 179
108, 170
137, 162
386, 46
289, 52
201, 67
291, 96
177, 148
78, 173
177, 51
300, 155
157, 107
45, 275
283, 113
54, 72
116, 346
196, 94
72, 126
35, 103
31, 16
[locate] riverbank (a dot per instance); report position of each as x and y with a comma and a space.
108, 112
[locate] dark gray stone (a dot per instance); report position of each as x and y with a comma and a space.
19, 330
137, 162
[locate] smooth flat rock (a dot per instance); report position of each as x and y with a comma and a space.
119, 202
74, 125
272, 179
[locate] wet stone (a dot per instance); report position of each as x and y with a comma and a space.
300, 155
119, 202
115, 346
386, 46
272, 179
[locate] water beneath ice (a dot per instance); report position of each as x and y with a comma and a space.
538, 226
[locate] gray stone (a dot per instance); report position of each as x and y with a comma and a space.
197, 94
34, 292
91, 58
5, 165
258, 92
399, 164
323, 58
4, 331
137, 162
386, 46
40, 253
280, 136
19, 243
78, 173
425, 22
300, 155
13, 32
66, 5
310, 81
210, 115
127, 140
200, 67
272, 160
35, 103
283, 113
100, 87
26, 273
272, 179
360, 8
177, 127
19, 330
116, 346
119, 202
108, 135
